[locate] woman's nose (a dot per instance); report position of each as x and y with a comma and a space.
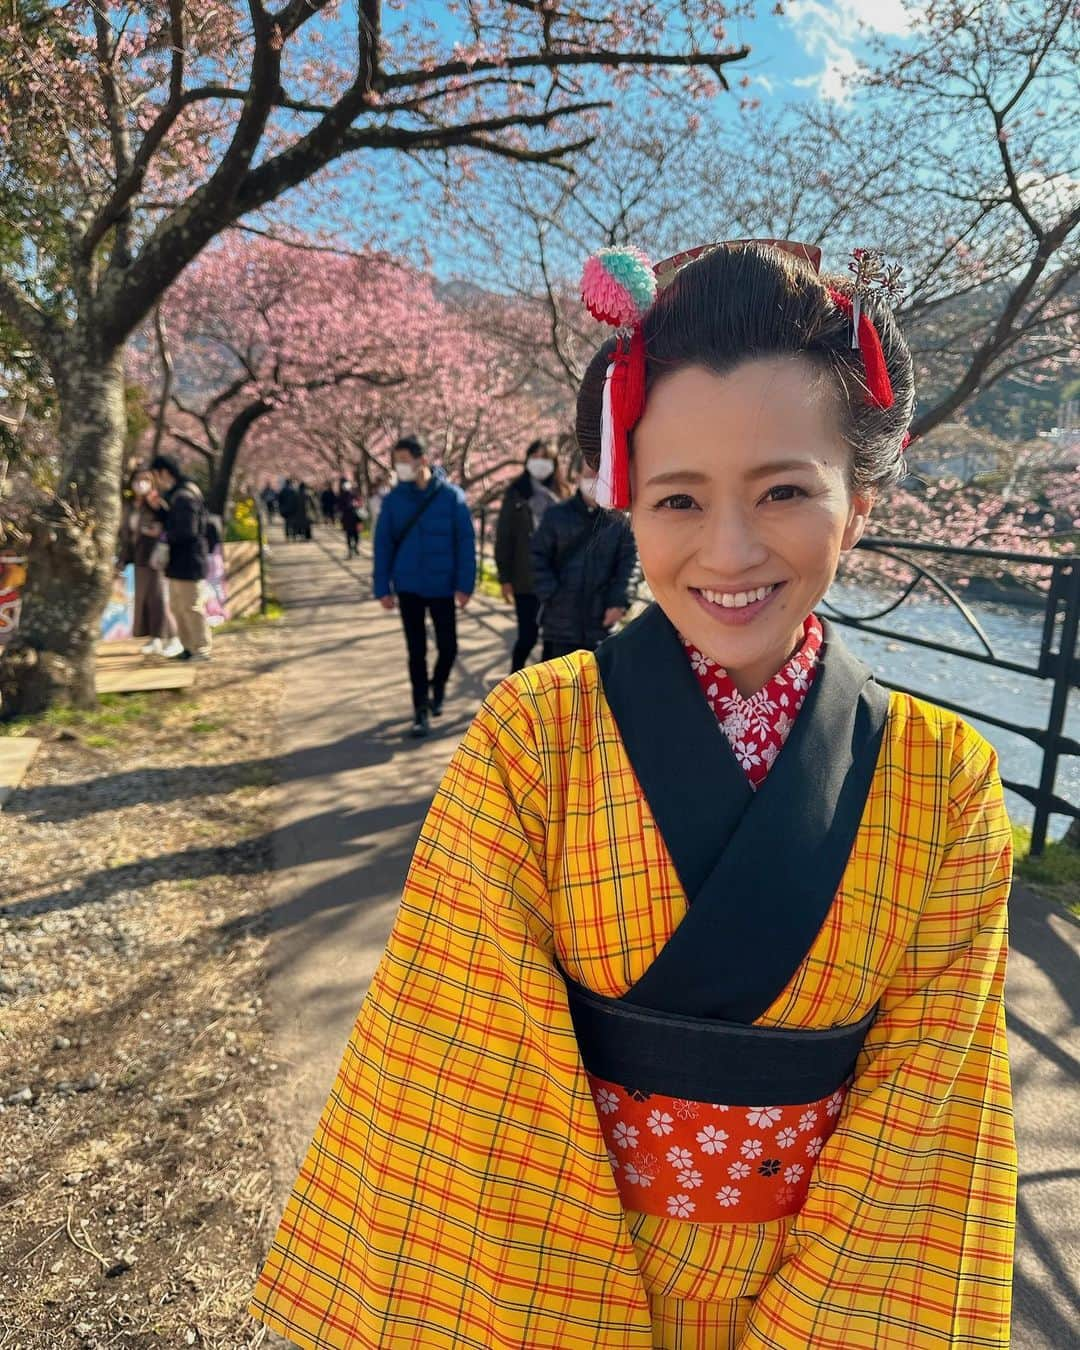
730, 546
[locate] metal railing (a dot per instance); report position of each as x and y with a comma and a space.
1056, 663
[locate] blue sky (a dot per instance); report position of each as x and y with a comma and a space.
806, 51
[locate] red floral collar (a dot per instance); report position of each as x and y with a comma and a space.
757, 727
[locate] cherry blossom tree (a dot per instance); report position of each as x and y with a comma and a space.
262, 330
955, 154
136, 133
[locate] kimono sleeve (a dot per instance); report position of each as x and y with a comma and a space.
457, 1194
906, 1238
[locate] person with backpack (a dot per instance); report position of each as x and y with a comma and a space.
425, 562
190, 535
583, 561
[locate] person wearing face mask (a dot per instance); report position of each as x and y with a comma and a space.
583, 561
523, 507
425, 563
140, 532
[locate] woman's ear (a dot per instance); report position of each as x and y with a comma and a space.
862, 503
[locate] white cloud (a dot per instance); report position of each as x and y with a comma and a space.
832, 29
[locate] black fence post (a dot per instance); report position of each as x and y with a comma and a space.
1063, 678
482, 532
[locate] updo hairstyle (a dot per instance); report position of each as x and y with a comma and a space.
746, 301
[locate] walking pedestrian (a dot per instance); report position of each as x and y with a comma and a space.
583, 561
307, 509
180, 508
523, 506
348, 507
425, 562
141, 544
269, 501
691, 1027
328, 500
288, 505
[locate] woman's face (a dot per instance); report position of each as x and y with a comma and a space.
741, 507
141, 485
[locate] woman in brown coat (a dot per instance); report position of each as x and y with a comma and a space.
140, 532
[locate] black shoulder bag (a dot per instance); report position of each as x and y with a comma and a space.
436, 489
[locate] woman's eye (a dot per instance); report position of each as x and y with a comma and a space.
678, 501
785, 492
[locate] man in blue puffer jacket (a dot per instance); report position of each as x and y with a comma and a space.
425, 560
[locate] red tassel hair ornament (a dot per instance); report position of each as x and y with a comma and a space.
865, 338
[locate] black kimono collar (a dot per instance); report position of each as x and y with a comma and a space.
760, 870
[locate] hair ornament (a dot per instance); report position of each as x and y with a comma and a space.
865, 339
618, 285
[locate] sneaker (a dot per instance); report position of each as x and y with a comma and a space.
173, 647
436, 703
152, 648
182, 655
421, 726
198, 656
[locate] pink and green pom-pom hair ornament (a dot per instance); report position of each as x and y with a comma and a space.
618, 285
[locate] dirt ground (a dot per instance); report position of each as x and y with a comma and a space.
135, 1180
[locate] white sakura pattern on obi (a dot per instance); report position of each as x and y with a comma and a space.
813, 1146
793, 1173
738, 1171
636, 1174
690, 1178
625, 1136
786, 1137
835, 1102
680, 1157
729, 1195
807, 1120
763, 1116
751, 1148
680, 1206
660, 1122
606, 1101
712, 1140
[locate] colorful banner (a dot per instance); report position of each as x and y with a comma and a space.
117, 620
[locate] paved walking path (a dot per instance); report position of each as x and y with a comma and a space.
354, 790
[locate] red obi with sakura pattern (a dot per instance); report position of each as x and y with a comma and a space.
707, 1163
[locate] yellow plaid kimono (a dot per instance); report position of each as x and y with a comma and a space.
458, 1192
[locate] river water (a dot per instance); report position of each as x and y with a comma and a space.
1015, 634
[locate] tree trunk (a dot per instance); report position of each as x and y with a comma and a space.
70, 565
217, 499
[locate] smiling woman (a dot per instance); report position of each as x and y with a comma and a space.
690, 1031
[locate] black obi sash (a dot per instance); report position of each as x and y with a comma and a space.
760, 870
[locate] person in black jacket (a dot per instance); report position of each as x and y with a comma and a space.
583, 561
523, 507
180, 508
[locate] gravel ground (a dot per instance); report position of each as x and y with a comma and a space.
134, 1082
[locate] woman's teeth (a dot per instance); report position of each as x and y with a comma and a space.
736, 599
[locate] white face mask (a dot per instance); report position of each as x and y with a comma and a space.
405, 470
540, 467
587, 488
141, 486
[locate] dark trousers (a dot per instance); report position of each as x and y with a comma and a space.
352, 538
527, 607
444, 617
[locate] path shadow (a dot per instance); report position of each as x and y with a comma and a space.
1046, 943
336, 833
63, 803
